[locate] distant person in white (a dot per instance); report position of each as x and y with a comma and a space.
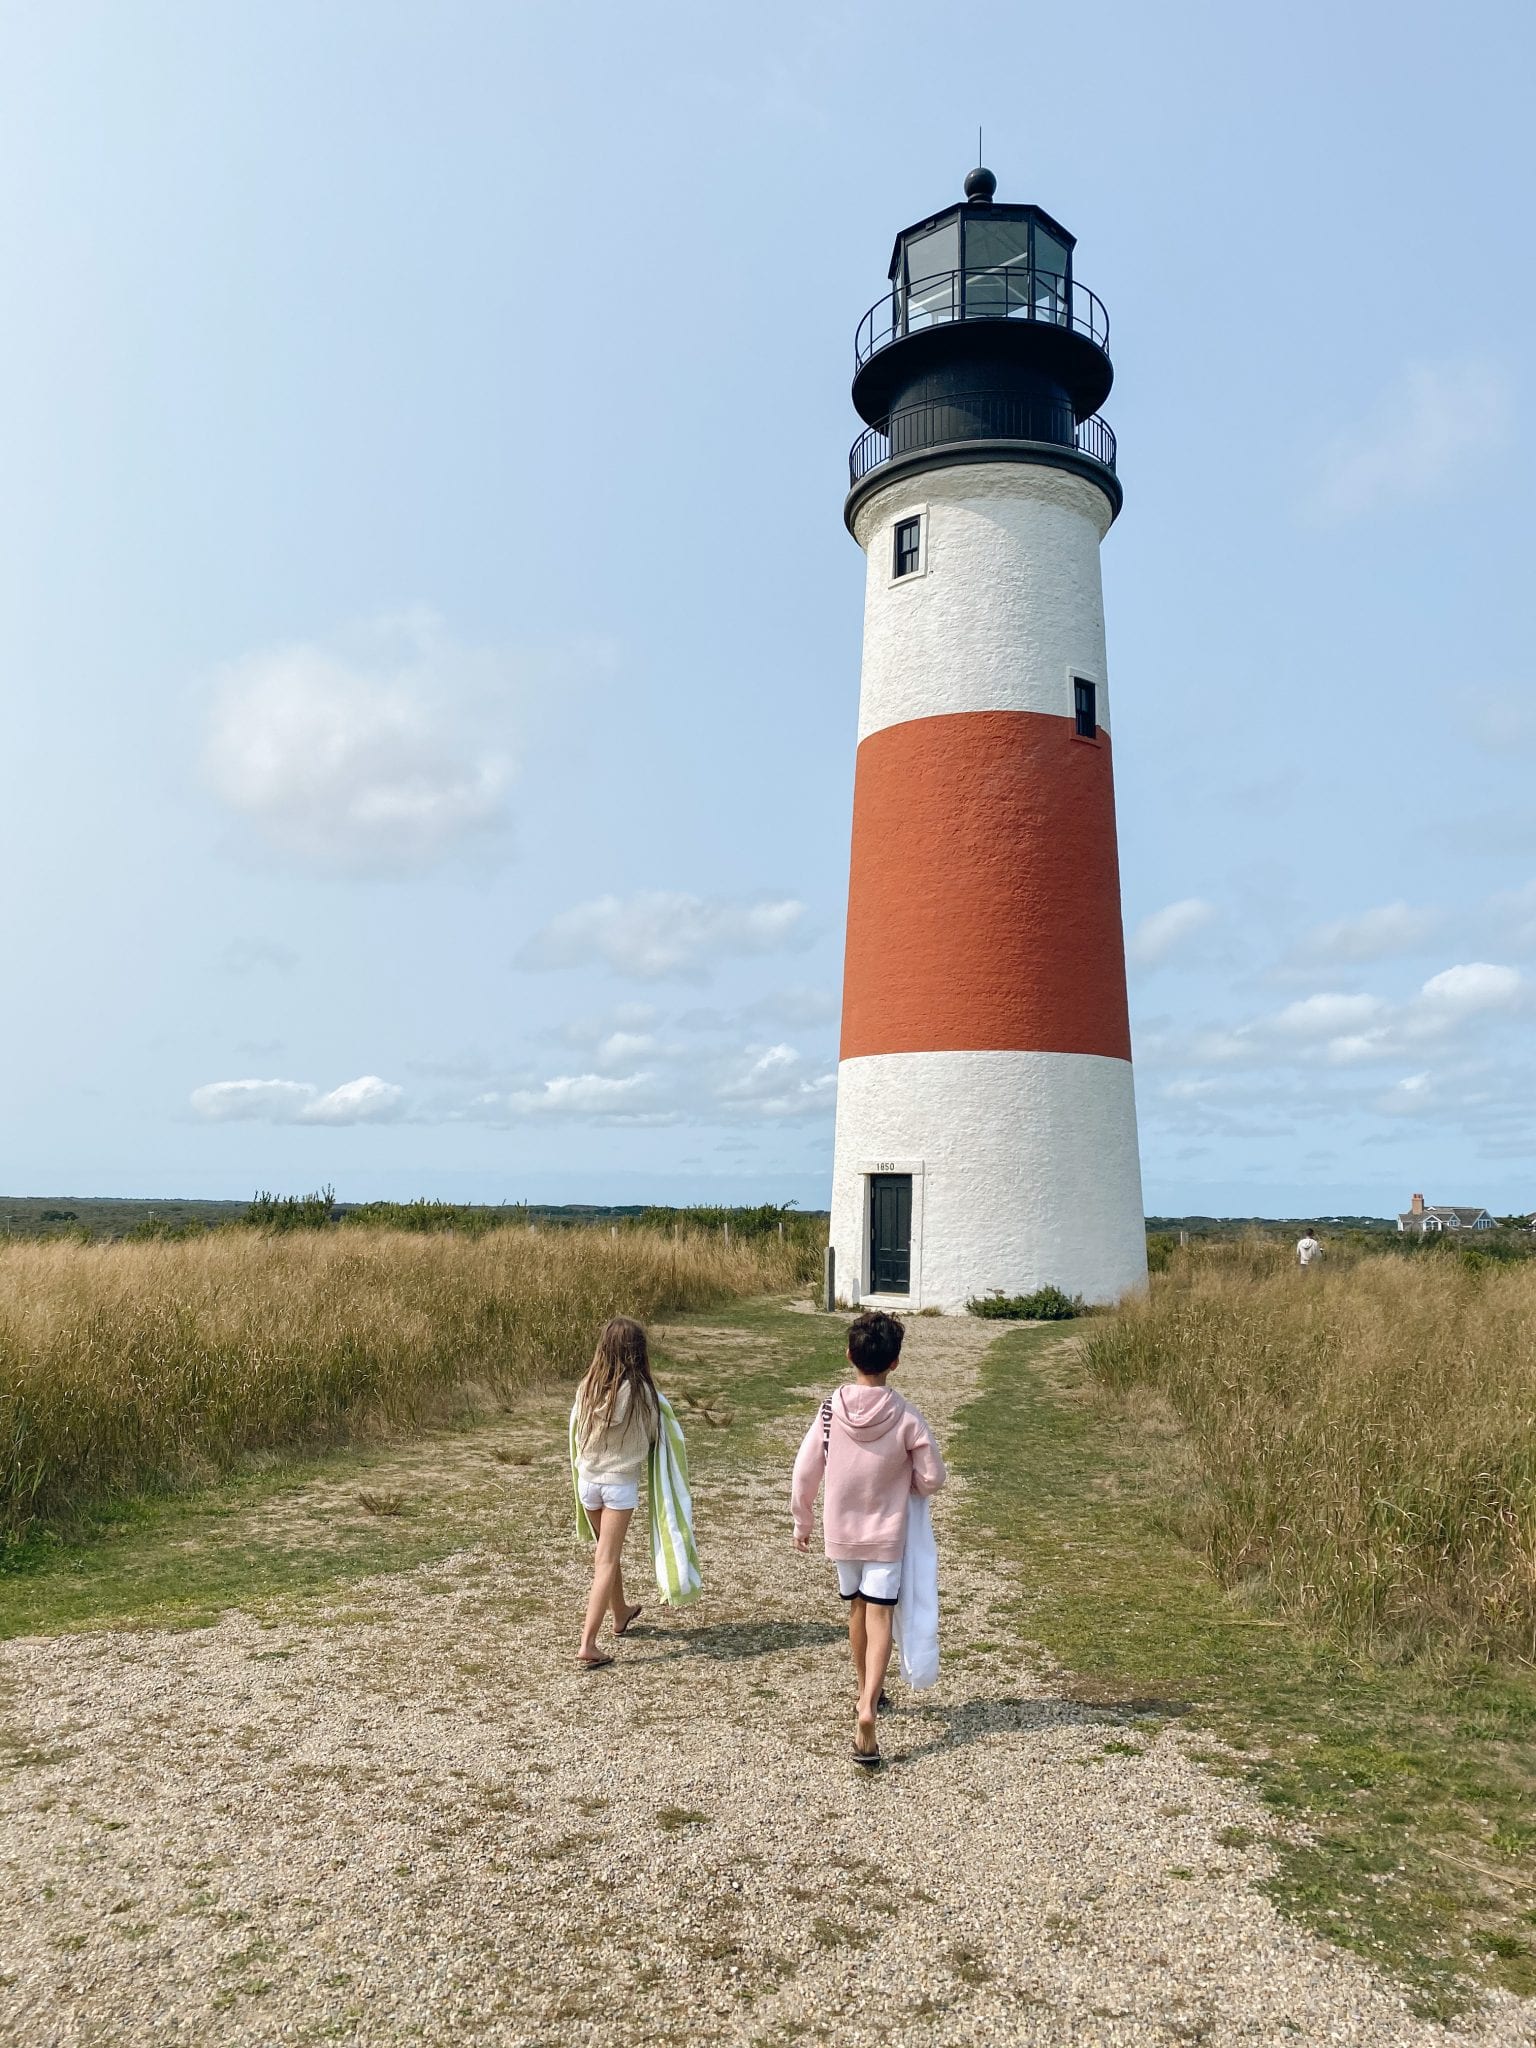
1307, 1247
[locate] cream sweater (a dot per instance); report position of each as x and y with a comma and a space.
616, 1455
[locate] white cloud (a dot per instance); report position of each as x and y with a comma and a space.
378, 755
778, 1081
660, 935
367, 1100
1414, 1095
1168, 931
1349, 1030
592, 1098
1325, 1016
752, 1085
1446, 1007
623, 1048
1385, 933
267, 1102
634, 1079
1423, 430
1468, 991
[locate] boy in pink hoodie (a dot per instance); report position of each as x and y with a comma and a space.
873, 1451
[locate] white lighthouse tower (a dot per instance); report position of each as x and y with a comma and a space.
986, 1122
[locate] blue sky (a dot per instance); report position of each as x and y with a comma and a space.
430, 642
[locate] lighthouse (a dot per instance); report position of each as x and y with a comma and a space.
986, 1120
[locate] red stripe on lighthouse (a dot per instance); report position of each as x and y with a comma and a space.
984, 898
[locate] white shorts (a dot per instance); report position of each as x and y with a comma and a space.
857, 1579
626, 1494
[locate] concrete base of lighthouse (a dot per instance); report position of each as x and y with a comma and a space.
1025, 1174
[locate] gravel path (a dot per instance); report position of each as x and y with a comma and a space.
410, 1818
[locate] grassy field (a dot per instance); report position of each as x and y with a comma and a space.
1402, 1791
1363, 1441
1298, 1512
139, 1367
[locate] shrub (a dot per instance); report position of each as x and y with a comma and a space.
293, 1212
1045, 1305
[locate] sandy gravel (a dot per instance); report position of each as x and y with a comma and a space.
410, 1818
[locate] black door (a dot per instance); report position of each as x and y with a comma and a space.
890, 1233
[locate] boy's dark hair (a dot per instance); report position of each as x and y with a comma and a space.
874, 1341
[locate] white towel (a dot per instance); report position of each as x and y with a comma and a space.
916, 1624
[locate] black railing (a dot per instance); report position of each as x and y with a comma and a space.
979, 416
1015, 292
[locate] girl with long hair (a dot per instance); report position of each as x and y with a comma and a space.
615, 1421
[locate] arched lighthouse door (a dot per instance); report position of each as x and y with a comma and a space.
890, 1233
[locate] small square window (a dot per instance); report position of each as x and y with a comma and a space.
909, 546
1086, 706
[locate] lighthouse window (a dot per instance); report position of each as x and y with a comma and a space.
1087, 708
1051, 273
909, 546
996, 268
932, 263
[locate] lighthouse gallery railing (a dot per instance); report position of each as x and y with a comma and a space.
1008, 292
979, 416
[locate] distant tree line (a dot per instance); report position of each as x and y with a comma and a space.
320, 1210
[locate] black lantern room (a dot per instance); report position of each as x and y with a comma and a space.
984, 336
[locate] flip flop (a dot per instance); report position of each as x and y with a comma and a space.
594, 1663
634, 1617
869, 1758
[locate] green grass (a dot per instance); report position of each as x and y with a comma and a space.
1413, 1787
264, 1539
182, 1561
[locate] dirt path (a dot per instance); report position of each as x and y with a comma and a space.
411, 1818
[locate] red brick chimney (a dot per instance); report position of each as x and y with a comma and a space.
1417, 1205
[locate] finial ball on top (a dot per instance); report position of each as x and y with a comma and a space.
980, 186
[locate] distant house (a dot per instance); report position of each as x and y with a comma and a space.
1421, 1221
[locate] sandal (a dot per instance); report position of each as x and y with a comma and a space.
634, 1615
594, 1662
869, 1758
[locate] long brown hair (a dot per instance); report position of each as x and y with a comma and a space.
622, 1359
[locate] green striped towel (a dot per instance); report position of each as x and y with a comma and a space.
671, 1510
671, 1505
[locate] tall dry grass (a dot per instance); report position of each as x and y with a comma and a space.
133, 1366
1367, 1437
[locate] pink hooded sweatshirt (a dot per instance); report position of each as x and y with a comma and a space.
879, 1452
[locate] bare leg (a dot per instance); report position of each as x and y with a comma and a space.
856, 1641
611, 1526
877, 1655
623, 1614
